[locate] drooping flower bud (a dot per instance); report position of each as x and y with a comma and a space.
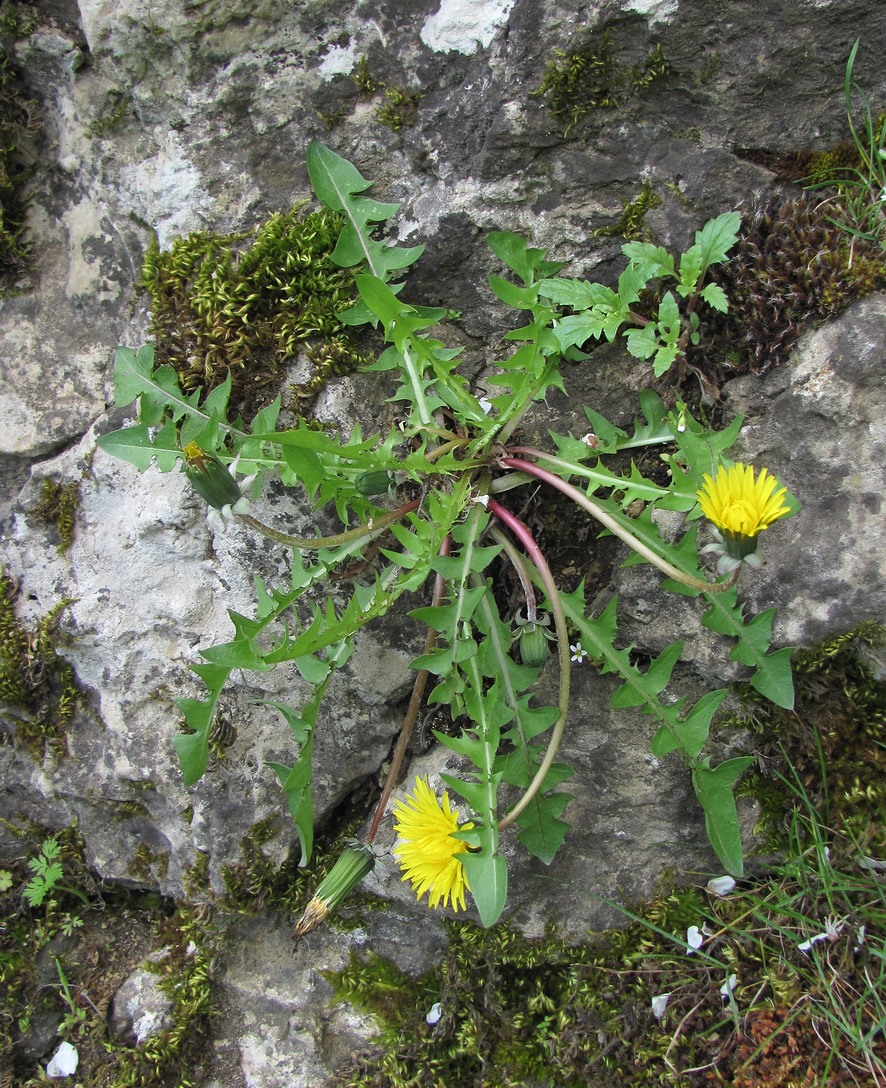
210, 477
216, 482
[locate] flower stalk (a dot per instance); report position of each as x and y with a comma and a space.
614, 526
540, 563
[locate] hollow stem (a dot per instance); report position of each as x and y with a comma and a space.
615, 527
418, 691
540, 563
368, 530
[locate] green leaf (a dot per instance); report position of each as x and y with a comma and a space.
715, 296
772, 676
297, 782
138, 446
714, 790
520, 298
691, 731
651, 261
717, 237
338, 184
487, 874
522, 259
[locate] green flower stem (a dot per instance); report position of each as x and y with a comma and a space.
540, 563
615, 527
369, 530
447, 447
418, 691
519, 565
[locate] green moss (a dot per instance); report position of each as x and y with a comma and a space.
19, 119
630, 224
399, 109
516, 1011
35, 683
789, 269
244, 304
173, 1055
150, 865
366, 82
580, 82
830, 745
58, 506
116, 106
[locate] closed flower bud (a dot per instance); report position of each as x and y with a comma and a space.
376, 482
210, 477
533, 644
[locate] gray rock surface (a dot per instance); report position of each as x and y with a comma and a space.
219, 101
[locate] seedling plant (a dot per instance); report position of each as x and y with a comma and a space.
429, 501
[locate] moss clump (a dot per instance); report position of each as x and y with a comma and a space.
399, 108
580, 82
243, 304
516, 1011
58, 507
633, 216
174, 1054
399, 111
19, 119
37, 685
831, 744
116, 106
789, 269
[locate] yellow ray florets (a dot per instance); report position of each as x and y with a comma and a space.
740, 505
427, 853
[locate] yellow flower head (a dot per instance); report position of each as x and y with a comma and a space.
427, 853
739, 504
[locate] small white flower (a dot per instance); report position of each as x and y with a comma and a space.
720, 885
63, 1062
434, 1012
659, 1004
578, 652
694, 939
728, 986
486, 405
481, 500
833, 927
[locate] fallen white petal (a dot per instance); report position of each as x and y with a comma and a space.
434, 1013
694, 939
806, 945
721, 885
728, 986
659, 1004
63, 1062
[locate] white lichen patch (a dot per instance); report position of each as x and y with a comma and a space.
340, 60
464, 26
167, 190
657, 11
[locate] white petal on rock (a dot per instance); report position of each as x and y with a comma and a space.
659, 1004
434, 1013
63, 1062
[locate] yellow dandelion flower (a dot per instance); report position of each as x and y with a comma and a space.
737, 503
427, 853
741, 507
